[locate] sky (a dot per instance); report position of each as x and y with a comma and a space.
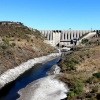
52, 14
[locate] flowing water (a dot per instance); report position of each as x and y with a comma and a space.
9, 92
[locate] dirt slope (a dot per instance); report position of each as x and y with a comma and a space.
18, 44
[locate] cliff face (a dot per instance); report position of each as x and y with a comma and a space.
18, 44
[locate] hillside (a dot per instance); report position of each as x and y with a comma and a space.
18, 44
81, 71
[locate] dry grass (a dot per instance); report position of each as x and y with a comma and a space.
88, 59
20, 44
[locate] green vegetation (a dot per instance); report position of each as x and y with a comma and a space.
90, 42
77, 89
6, 41
97, 75
18, 44
70, 61
81, 71
84, 41
13, 44
4, 47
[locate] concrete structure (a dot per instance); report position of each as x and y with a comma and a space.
88, 36
64, 37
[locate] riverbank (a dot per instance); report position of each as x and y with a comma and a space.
12, 74
81, 71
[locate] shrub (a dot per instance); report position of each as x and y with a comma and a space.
97, 75
84, 41
95, 89
77, 89
4, 47
31, 40
90, 80
18, 39
4, 53
6, 41
71, 95
70, 66
81, 56
13, 44
19, 47
9, 52
88, 55
75, 61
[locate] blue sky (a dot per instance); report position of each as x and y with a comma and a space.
52, 14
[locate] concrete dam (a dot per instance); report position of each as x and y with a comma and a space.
64, 37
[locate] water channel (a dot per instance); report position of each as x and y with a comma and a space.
9, 92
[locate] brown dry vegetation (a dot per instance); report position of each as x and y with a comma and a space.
19, 44
79, 70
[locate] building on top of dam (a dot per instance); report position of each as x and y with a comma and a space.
64, 37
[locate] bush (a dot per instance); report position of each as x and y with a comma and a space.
4, 53
88, 55
18, 39
4, 47
84, 41
77, 89
13, 44
9, 52
95, 89
71, 95
31, 40
75, 61
92, 79
6, 42
97, 75
71, 65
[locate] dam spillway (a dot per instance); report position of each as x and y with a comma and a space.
64, 36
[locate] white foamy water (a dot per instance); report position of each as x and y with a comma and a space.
55, 69
12, 74
48, 88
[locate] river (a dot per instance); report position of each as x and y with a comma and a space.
9, 92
